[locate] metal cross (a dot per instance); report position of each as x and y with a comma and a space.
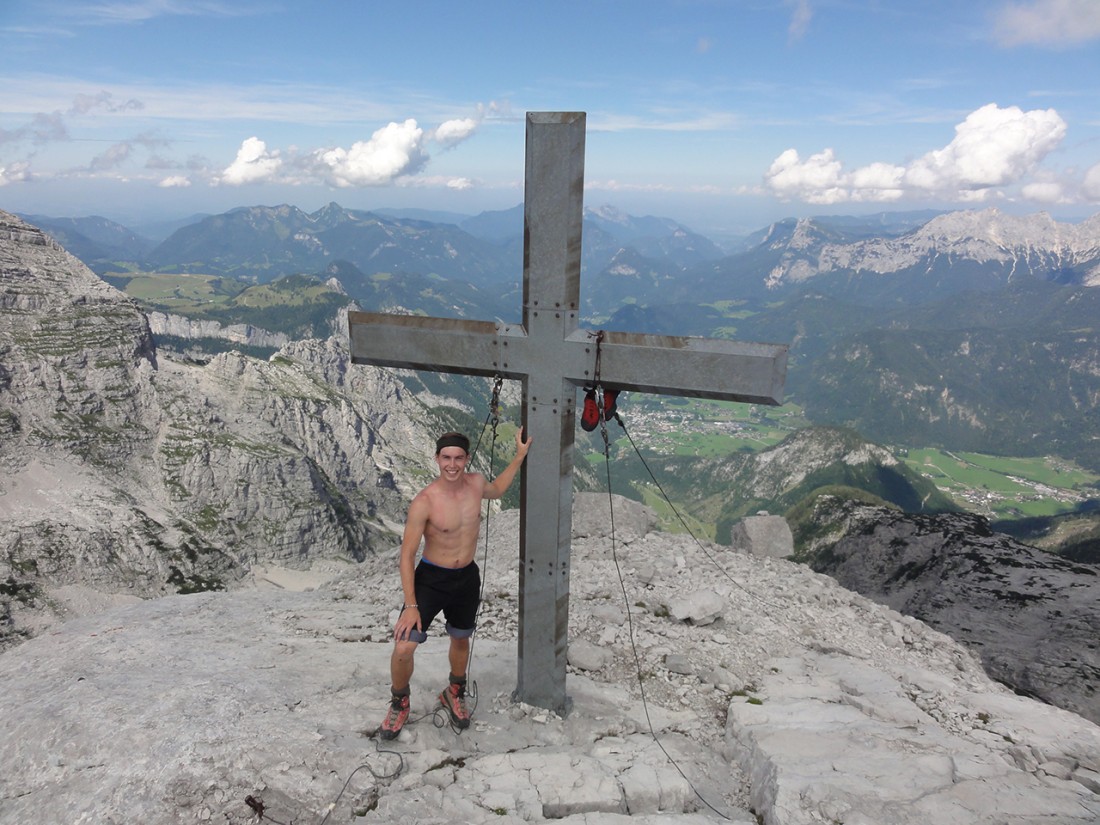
552, 357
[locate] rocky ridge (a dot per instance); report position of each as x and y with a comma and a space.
775, 696
178, 326
1033, 617
125, 474
1021, 245
777, 478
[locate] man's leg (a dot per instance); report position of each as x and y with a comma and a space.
453, 697
401, 670
459, 656
401, 665
461, 617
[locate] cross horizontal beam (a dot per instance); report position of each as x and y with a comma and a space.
664, 364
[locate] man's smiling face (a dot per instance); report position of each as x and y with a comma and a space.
452, 463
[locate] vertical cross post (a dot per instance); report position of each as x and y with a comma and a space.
552, 357
552, 216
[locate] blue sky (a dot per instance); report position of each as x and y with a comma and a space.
722, 114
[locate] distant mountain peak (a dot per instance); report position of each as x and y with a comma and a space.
1010, 245
806, 234
608, 213
994, 225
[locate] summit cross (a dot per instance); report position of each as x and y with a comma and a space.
552, 356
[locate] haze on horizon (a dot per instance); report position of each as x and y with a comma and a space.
722, 114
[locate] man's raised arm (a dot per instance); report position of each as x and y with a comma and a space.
497, 487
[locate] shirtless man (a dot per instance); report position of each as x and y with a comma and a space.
447, 516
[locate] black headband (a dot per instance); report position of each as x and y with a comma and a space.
452, 440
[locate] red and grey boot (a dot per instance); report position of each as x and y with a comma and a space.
396, 716
453, 698
609, 405
590, 413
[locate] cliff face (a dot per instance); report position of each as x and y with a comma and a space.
1033, 617
125, 474
74, 351
177, 326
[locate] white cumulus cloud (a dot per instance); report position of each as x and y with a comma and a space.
394, 150
174, 182
394, 155
18, 171
1044, 192
1048, 22
253, 163
453, 132
814, 180
877, 182
992, 148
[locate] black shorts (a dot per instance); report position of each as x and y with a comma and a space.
454, 592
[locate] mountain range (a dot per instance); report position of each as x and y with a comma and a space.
209, 468
964, 330
877, 260
627, 261
952, 253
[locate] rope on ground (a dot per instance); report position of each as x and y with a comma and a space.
630, 622
260, 809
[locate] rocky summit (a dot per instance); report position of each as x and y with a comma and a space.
707, 685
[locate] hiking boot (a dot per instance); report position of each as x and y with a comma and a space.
590, 415
453, 698
395, 717
609, 406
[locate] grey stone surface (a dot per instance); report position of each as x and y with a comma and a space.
763, 535
584, 655
175, 710
163, 323
702, 607
632, 520
825, 740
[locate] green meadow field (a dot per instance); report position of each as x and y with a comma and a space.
1000, 487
